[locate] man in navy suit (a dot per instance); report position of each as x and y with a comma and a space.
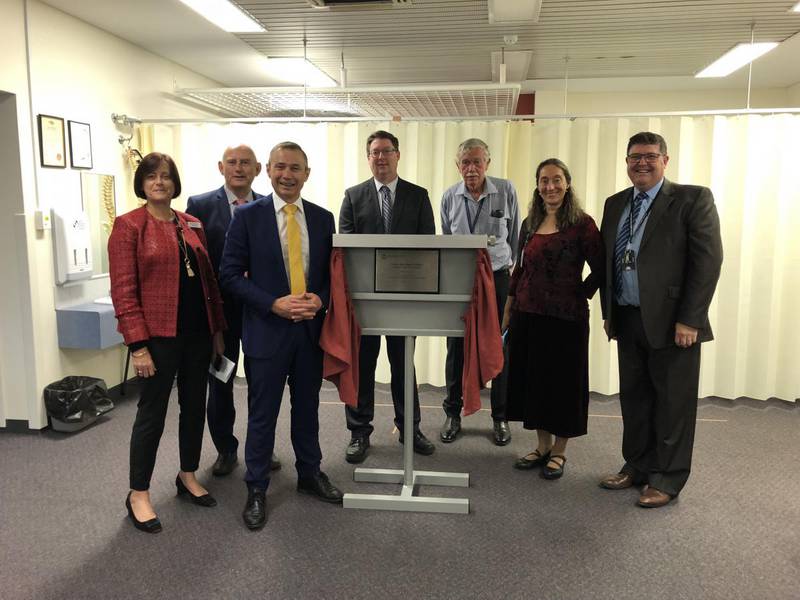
383, 204
276, 262
239, 167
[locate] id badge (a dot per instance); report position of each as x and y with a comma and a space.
629, 260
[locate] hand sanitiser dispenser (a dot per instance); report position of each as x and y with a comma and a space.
72, 243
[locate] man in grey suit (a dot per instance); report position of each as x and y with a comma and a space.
239, 167
383, 204
663, 259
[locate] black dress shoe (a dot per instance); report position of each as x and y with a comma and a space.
255, 511
450, 429
320, 486
422, 445
274, 463
225, 464
149, 526
206, 500
502, 434
357, 450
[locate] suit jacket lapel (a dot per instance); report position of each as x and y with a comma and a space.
274, 241
223, 208
660, 204
399, 205
374, 204
311, 225
615, 209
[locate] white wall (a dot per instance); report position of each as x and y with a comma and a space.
79, 73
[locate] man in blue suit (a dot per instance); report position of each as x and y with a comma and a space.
239, 167
276, 262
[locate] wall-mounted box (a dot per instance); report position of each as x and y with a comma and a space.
72, 245
90, 326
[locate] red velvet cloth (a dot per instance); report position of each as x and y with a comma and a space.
341, 335
144, 263
483, 346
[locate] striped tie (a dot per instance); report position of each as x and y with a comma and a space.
622, 242
386, 209
297, 278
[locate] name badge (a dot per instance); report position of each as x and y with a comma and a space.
629, 260
195, 224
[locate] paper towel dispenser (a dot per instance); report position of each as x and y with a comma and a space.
72, 245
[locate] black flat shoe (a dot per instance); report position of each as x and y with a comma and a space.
549, 473
524, 463
206, 500
150, 526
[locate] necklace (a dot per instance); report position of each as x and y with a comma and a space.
182, 246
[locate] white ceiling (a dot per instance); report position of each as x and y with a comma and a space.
608, 42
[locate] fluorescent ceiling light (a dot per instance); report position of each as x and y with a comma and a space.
298, 70
225, 15
514, 11
735, 58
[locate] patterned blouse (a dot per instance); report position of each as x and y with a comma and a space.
548, 280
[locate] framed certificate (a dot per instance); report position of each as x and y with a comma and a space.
80, 145
407, 270
51, 141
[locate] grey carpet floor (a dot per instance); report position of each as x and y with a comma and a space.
733, 533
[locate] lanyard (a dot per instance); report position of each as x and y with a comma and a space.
473, 222
639, 225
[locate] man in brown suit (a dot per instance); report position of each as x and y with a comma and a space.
663, 259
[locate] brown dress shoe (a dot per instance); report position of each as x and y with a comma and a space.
618, 481
653, 498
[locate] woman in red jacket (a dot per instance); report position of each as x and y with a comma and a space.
169, 311
547, 316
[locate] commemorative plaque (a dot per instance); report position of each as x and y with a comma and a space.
407, 270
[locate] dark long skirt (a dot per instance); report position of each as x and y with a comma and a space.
548, 374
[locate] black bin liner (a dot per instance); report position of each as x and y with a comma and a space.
76, 400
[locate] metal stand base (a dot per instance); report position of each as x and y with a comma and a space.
408, 476
406, 500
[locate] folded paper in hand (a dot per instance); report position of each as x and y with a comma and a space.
221, 368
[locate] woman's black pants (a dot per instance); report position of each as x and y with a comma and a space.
188, 356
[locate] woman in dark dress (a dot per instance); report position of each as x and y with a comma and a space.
547, 317
169, 311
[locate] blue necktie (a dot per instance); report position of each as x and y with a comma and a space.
386, 209
623, 239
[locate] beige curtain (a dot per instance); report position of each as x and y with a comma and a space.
748, 162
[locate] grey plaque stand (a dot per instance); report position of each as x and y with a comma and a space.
410, 315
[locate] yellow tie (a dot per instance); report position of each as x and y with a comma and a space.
296, 276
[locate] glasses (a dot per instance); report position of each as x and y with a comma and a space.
385, 152
650, 158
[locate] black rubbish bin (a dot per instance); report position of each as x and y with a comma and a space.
76, 401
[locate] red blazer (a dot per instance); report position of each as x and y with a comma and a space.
144, 261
